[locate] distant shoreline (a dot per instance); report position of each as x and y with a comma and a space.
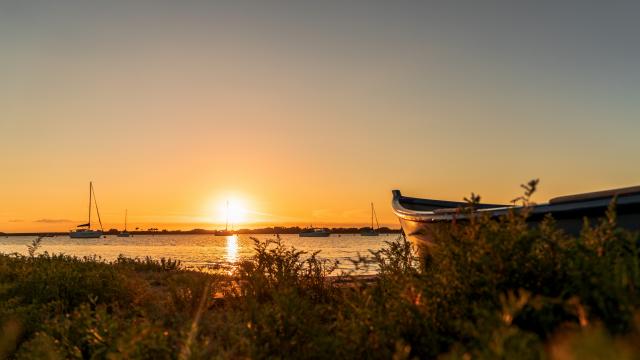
261, 231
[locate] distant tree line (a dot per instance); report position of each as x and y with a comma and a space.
266, 230
297, 229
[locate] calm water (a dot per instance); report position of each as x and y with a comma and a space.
206, 252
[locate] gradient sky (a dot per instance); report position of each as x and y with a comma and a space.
307, 110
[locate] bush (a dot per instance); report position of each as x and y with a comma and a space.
491, 289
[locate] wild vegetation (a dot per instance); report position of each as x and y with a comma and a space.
491, 289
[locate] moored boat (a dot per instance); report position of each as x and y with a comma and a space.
371, 231
85, 232
125, 233
419, 217
315, 232
226, 231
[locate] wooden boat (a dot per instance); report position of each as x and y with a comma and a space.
418, 217
315, 232
371, 231
85, 231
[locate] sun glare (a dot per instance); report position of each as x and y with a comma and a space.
231, 211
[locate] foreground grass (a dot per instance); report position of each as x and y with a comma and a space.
491, 290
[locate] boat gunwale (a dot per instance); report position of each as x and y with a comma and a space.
425, 216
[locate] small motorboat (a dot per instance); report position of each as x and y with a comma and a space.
418, 217
315, 232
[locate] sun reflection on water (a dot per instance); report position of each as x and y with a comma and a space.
232, 248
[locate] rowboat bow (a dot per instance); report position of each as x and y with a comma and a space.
419, 217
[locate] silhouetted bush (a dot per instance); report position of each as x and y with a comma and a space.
490, 289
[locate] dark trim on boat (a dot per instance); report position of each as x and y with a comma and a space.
417, 204
417, 214
596, 195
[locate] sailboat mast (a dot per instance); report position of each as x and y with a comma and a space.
125, 219
90, 191
226, 228
373, 213
371, 216
95, 202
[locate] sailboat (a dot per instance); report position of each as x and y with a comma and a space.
226, 231
370, 231
124, 233
85, 231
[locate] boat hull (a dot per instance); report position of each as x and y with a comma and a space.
85, 234
124, 234
421, 219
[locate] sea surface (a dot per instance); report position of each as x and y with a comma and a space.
202, 252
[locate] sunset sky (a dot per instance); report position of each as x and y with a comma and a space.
304, 112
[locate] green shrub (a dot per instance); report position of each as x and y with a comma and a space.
490, 289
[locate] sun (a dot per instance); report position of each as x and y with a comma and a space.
231, 212
236, 212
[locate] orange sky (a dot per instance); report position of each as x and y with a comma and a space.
307, 113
